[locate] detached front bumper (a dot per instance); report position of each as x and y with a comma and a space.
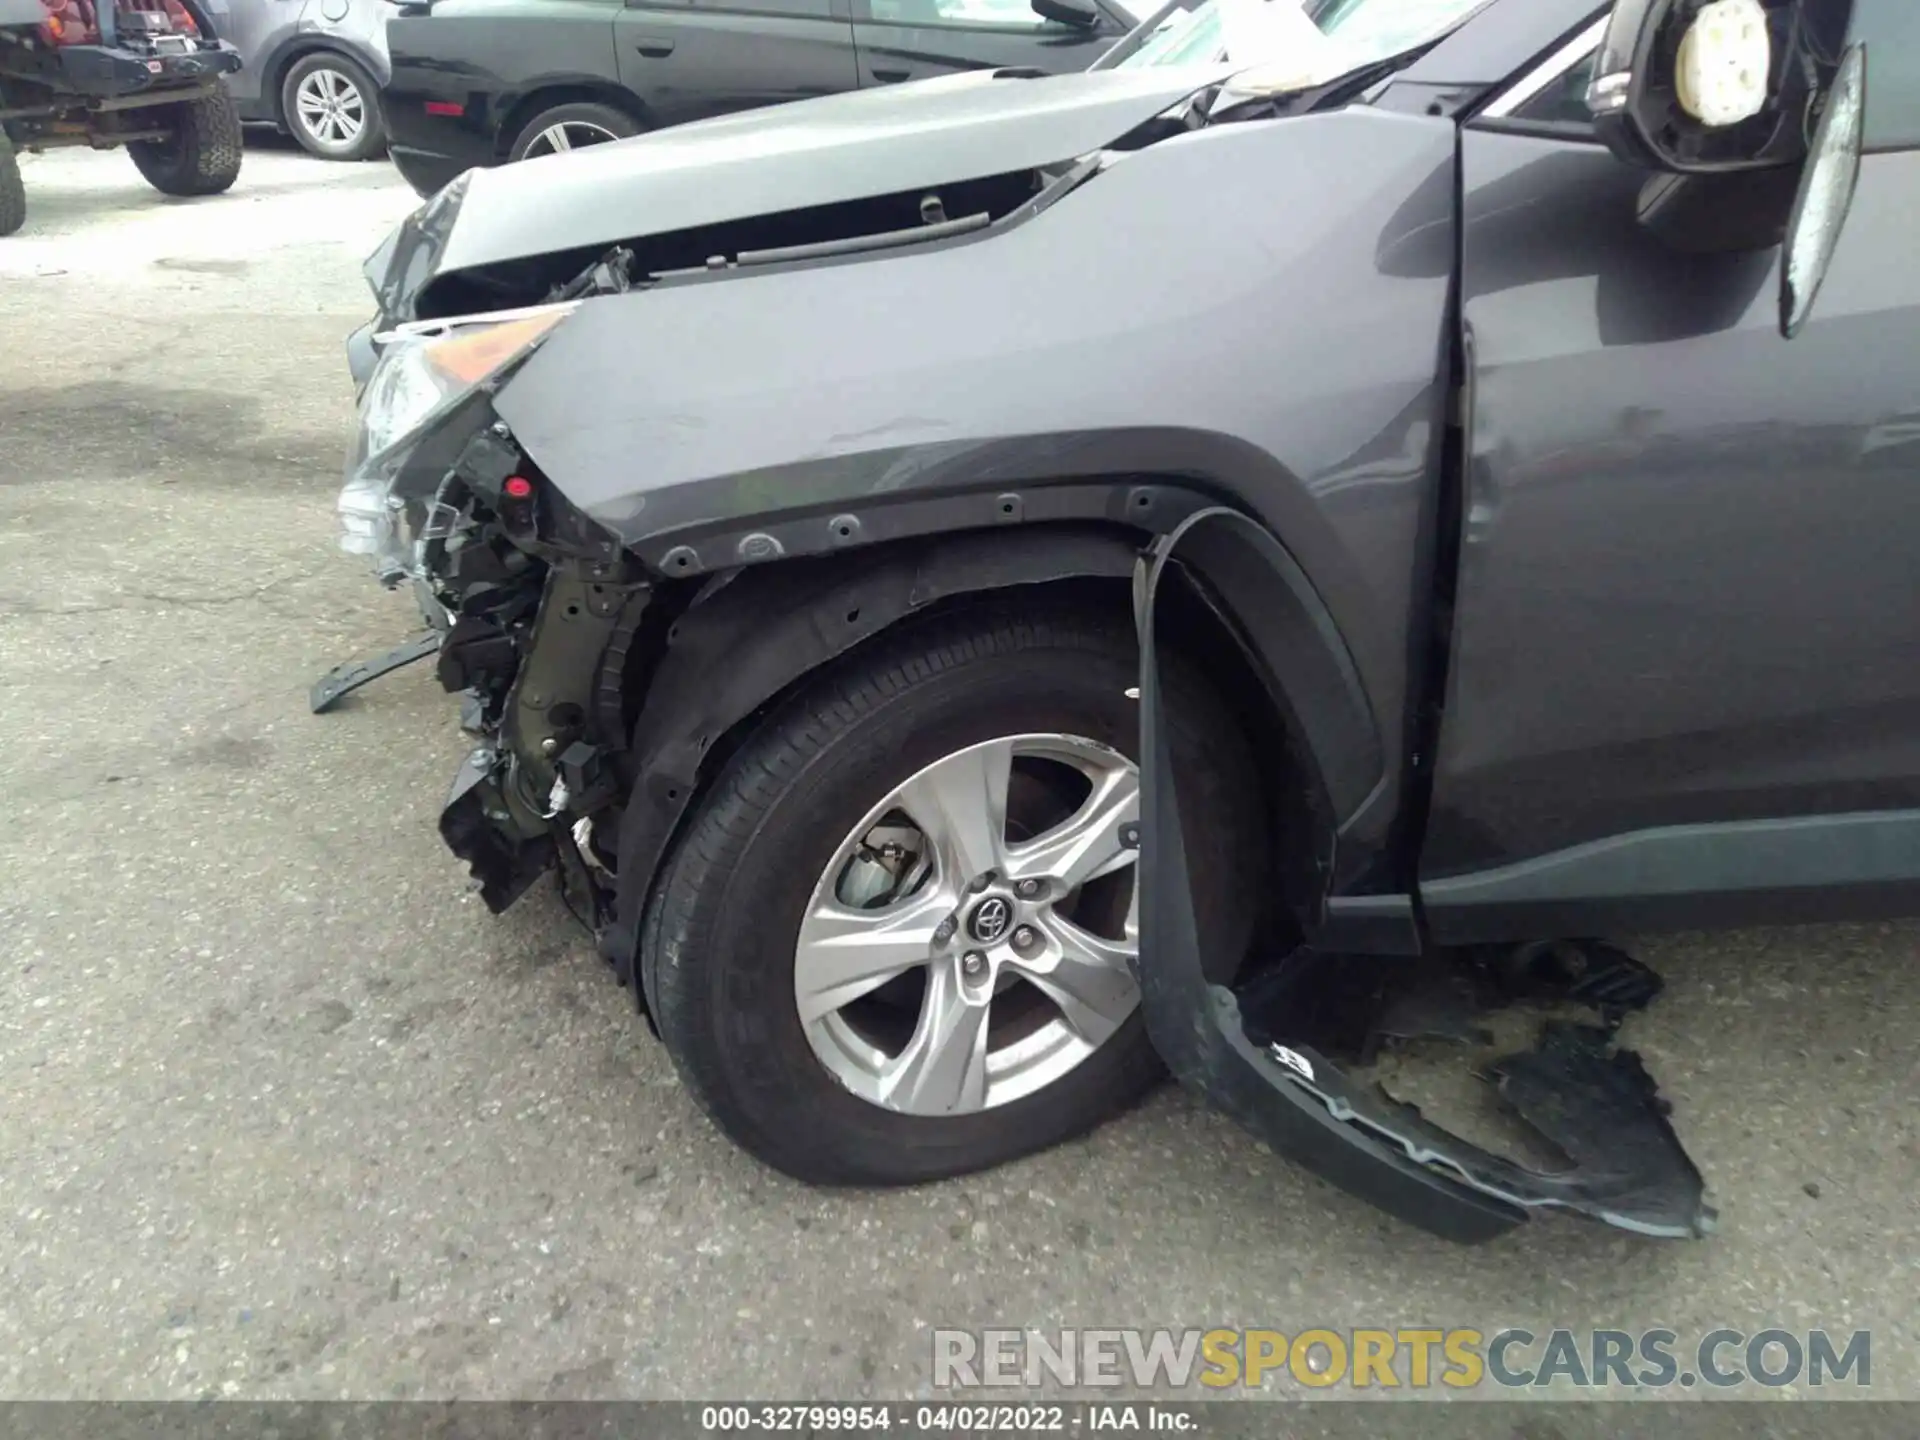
103, 72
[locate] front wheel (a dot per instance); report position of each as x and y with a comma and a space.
13, 190
201, 153
896, 942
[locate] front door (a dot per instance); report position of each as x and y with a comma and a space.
1686, 644
255, 28
692, 59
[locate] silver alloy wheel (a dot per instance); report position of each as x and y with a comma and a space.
329, 107
972, 914
567, 135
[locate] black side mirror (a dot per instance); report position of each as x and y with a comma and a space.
1081, 14
1711, 86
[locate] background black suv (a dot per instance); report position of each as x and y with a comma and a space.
479, 82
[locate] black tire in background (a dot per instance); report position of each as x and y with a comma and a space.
201, 156
581, 120
13, 190
372, 137
718, 945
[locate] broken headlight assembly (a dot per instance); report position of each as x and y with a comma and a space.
428, 375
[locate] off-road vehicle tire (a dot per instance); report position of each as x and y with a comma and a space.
361, 91
589, 123
718, 946
203, 155
13, 190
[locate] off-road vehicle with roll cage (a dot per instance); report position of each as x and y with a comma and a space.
105, 73
983, 589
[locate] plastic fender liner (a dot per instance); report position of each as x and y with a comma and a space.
1588, 1098
1238, 556
1285, 628
1197, 1027
770, 625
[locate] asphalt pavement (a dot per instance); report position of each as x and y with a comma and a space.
285, 1113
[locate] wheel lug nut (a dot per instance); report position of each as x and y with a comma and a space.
943, 932
973, 964
1025, 937
980, 882
1027, 889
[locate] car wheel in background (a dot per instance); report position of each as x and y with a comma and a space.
896, 941
332, 107
202, 154
569, 127
13, 191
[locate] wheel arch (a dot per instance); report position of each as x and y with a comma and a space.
547, 94
297, 47
749, 637
1224, 565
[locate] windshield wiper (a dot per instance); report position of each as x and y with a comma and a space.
1329, 95
1355, 83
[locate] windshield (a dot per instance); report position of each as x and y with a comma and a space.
1330, 36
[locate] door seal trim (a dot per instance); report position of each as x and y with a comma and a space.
1781, 871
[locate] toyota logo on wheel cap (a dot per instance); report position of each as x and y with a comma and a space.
990, 919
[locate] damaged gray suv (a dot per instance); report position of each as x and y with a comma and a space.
987, 589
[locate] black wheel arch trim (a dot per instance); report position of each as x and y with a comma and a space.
1290, 630
764, 628
1197, 1027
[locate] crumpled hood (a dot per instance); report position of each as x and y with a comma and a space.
784, 157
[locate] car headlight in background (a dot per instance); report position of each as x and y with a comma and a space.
425, 371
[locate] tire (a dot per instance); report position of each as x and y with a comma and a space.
579, 123
202, 157
718, 950
332, 107
13, 191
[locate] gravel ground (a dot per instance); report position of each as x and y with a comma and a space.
284, 1113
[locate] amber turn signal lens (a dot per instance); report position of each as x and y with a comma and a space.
472, 356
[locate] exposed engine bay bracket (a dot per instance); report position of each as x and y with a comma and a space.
477, 827
611, 274
532, 685
552, 704
478, 657
488, 459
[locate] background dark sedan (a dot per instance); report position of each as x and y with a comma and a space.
479, 82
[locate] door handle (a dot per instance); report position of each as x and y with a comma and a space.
888, 75
654, 47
